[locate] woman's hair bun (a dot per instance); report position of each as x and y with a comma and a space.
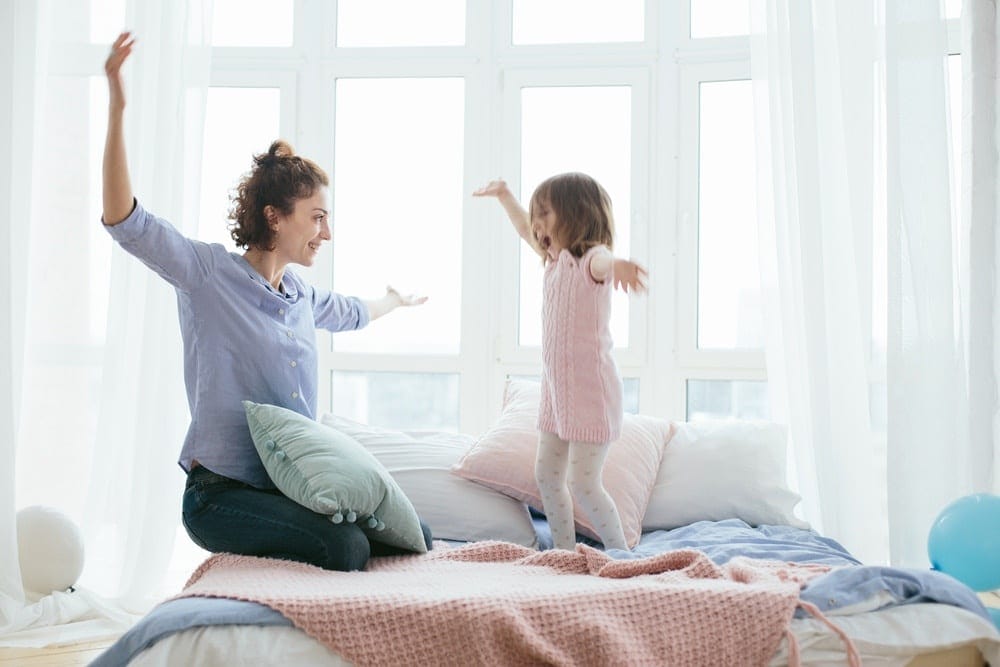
279, 149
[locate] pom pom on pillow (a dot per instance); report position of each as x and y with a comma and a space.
332, 474
504, 459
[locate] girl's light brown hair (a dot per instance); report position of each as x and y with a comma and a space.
278, 178
582, 208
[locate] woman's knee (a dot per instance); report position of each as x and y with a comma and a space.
345, 549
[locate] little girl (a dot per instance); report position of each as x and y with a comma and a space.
571, 228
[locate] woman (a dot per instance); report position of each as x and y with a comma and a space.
248, 324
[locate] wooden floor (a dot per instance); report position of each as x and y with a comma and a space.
73, 655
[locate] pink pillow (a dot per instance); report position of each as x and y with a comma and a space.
504, 459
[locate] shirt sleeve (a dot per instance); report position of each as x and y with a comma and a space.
182, 262
336, 312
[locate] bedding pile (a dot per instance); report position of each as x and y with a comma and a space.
499, 603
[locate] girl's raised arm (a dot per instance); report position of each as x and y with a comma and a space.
518, 216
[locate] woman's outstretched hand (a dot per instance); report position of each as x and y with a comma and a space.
120, 52
404, 299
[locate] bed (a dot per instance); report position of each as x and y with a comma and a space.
892, 616
721, 571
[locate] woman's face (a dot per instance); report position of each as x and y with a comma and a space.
301, 234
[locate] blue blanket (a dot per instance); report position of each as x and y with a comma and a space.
855, 588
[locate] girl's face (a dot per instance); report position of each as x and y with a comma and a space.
301, 234
544, 225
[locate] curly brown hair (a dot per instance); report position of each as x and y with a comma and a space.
582, 208
278, 178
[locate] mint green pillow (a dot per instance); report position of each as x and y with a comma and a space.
332, 474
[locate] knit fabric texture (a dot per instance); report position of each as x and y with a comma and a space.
581, 388
497, 603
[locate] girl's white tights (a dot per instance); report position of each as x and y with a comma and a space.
562, 467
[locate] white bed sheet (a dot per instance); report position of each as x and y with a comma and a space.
887, 638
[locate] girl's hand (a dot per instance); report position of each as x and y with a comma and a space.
629, 276
120, 52
404, 299
497, 188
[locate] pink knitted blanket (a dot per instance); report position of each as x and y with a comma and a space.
495, 603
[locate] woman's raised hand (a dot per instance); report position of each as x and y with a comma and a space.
120, 52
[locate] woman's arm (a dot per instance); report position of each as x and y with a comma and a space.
518, 216
117, 187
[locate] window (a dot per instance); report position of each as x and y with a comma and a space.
553, 120
729, 306
398, 197
400, 23
577, 21
410, 107
232, 137
252, 23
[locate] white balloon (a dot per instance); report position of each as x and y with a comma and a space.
49, 548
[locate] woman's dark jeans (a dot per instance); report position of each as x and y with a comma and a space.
222, 514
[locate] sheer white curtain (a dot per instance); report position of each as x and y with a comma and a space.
94, 393
930, 453
813, 77
980, 218
863, 276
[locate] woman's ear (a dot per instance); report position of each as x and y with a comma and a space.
271, 215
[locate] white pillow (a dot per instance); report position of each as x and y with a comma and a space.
723, 469
454, 508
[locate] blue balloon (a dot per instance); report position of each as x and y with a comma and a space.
964, 541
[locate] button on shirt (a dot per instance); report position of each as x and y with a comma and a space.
243, 340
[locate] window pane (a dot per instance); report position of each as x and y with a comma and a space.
729, 302
252, 22
953, 9
407, 401
398, 208
107, 19
553, 120
719, 18
577, 21
721, 399
232, 137
400, 23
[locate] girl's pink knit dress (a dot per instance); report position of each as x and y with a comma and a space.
581, 387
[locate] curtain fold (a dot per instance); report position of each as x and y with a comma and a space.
134, 501
108, 344
813, 80
980, 218
19, 48
929, 453
880, 300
